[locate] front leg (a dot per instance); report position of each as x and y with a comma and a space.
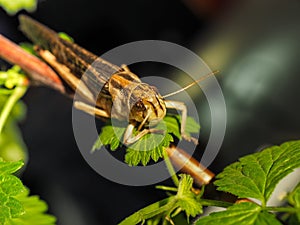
181, 107
129, 138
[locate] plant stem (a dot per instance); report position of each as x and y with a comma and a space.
5, 92
208, 202
150, 211
189, 165
36, 69
283, 209
165, 188
170, 168
17, 93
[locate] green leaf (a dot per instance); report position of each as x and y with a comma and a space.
10, 187
256, 175
13, 85
149, 211
243, 214
66, 37
173, 125
191, 126
184, 200
294, 196
28, 47
18, 111
16, 207
147, 148
185, 184
109, 136
150, 146
294, 200
187, 200
13, 6
12, 146
9, 208
34, 211
11, 78
9, 167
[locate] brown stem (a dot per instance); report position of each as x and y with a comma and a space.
190, 165
37, 70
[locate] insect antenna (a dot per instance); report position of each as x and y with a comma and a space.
191, 84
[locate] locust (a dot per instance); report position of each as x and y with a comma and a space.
105, 85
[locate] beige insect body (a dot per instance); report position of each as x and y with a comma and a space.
117, 92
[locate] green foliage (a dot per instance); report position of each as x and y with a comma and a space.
184, 200
13, 85
173, 125
150, 146
134, 156
110, 135
294, 197
16, 207
187, 200
17, 112
12, 88
28, 47
65, 37
13, 6
10, 187
10, 79
34, 211
294, 200
256, 175
12, 147
246, 213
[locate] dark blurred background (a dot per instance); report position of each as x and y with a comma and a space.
255, 45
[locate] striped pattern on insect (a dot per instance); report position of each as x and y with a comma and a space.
107, 85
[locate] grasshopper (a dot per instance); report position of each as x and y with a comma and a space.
134, 101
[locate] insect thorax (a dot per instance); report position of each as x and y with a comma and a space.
137, 101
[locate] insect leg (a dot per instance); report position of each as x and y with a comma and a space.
181, 107
90, 109
130, 139
66, 75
